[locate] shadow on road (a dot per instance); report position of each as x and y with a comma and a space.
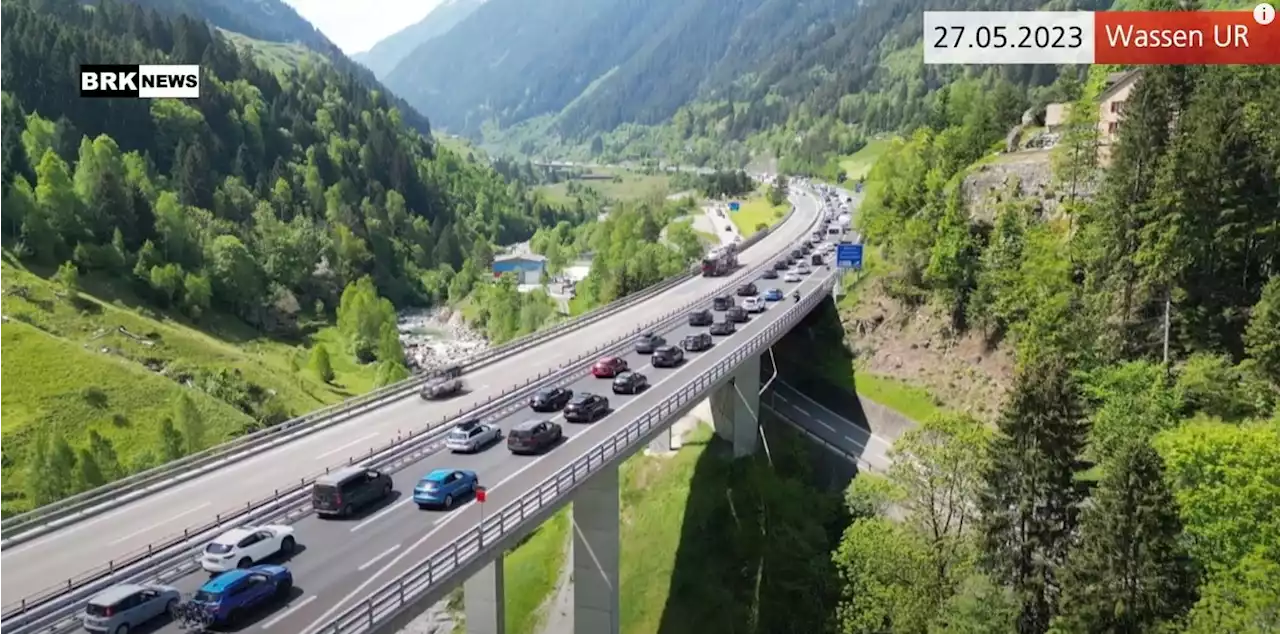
755, 546
813, 359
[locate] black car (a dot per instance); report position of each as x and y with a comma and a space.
769, 274
816, 260
723, 302
737, 315
648, 341
667, 357
780, 265
630, 383
585, 407
534, 436
795, 254
722, 328
550, 399
747, 290
700, 318
697, 342
342, 492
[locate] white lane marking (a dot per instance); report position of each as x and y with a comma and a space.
802, 410
378, 558
337, 449
824, 423
380, 514
871, 436
152, 527
781, 398
284, 615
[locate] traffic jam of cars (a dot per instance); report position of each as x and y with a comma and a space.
240, 560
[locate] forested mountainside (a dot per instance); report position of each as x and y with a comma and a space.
387, 53
597, 66
275, 21
272, 205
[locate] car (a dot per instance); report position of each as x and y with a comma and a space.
780, 265
795, 254
608, 367
753, 304
472, 436
773, 295
630, 383
803, 269
667, 357
791, 276
722, 302
769, 274
586, 407
443, 487
534, 436
550, 399
747, 290
128, 606
242, 547
737, 314
341, 491
700, 317
723, 328
646, 342
697, 342
229, 596
440, 387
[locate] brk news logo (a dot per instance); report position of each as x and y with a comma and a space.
140, 81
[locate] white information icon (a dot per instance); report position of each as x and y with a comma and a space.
1264, 14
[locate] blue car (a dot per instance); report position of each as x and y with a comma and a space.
229, 596
444, 487
773, 295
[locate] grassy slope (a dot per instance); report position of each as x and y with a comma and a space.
634, 185
858, 164
277, 56
55, 358
532, 570
756, 211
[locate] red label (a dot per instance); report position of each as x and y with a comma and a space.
1184, 37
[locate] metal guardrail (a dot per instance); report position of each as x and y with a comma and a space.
442, 566
39, 609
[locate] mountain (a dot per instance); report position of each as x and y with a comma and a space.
275, 21
387, 53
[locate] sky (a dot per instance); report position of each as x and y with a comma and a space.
356, 25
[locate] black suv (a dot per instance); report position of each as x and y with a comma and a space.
816, 260
630, 383
344, 491
667, 357
550, 399
737, 314
585, 408
697, 342
769, 274
700, 318
747, 290
795, 254
723, 302
722, 328
534, 436
780, 265
647, 342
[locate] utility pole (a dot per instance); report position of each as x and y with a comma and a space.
1167, 309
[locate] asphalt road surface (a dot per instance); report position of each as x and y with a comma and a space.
50, 560
829, 425
341, 561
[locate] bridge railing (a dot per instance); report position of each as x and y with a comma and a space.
440, 568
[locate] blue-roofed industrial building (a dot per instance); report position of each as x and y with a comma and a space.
527, 267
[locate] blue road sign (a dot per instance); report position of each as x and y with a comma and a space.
733, 206
849, 256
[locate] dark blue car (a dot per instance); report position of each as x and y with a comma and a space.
773, 295
444, 487
227, 597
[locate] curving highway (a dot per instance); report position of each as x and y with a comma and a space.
341, 561
51, 559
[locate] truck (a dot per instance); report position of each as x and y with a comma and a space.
720, 261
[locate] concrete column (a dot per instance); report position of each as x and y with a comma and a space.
484, 600
595, 555
661, 444
735, 408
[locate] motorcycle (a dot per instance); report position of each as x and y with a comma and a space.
796, 296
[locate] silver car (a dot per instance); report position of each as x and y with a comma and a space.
441, 387
121, 608
472, 437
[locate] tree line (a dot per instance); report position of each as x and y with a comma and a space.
1121, 488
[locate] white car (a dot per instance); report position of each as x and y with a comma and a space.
791, 276
243, 547
472, 436
803, 269
754, 304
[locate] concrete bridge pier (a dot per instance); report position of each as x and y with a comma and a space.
484, 599
735, 408
596, 545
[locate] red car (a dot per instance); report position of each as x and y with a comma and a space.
608, 367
